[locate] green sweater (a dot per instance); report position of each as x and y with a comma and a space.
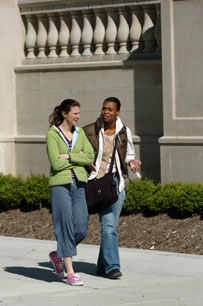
60, 172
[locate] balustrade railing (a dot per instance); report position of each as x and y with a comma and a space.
93, 33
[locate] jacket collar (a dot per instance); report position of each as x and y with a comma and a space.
100, 124
76, 131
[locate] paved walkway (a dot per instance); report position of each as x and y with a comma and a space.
149, 277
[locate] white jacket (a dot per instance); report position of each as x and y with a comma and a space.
130, 153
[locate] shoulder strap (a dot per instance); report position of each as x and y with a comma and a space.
113, 155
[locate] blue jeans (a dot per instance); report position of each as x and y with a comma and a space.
70, 216
109, 254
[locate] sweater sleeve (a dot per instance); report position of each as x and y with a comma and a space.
130, 153
57, 164
85, 158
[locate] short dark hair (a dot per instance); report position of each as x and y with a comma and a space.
115, 100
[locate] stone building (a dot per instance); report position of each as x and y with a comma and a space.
148, 53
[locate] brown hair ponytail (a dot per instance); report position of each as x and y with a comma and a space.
56, 118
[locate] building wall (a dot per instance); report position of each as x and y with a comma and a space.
181, 146
161, 100
11, 55
38, 92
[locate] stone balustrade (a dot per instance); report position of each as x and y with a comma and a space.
98, 32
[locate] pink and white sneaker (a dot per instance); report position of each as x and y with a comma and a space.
57, 264
74, 280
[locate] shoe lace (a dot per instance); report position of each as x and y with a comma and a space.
76, 276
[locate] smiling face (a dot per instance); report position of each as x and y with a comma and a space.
109, 112
72, 116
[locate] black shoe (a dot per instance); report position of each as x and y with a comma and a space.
100, 273
114, 273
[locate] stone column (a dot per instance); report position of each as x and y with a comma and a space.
75, 35
87, 33
52, 37
64, 35
135, 30
41, 37
111, 31
31, 36
148, 28
99, 32
123, 31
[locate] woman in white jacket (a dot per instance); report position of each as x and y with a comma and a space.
101, 135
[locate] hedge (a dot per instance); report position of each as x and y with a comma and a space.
177, 199
11, 191
33, 192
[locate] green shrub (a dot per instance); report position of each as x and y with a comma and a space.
154, 206
165, 196
11, 191
139, 195
180, 199
198, 197
36, 191
176, 199
188, 198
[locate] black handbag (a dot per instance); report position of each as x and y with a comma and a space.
101, 193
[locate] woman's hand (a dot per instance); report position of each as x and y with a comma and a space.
92, 167
135, 165
64, 156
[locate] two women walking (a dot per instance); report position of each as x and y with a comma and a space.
70, 149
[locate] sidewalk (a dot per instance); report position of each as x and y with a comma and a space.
149, 277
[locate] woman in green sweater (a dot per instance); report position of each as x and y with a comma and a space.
68, 151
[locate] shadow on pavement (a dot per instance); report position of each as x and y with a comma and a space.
84, 267
78, 266
49, 275
46, 264
35, 273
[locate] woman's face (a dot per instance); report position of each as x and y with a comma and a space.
109, 112
73, 116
